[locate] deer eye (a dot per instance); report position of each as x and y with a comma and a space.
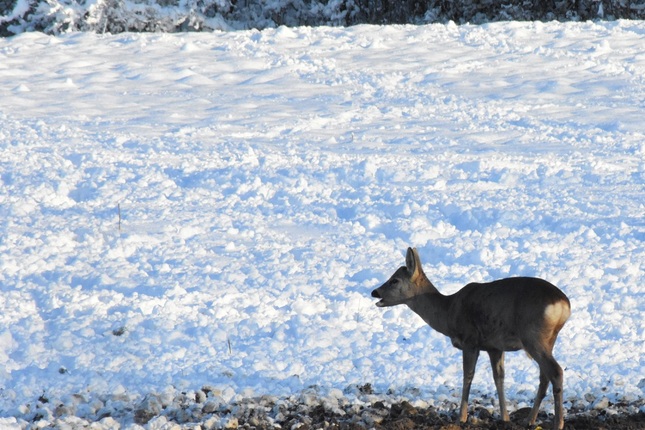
394, 281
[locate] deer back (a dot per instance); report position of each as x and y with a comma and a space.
504, 314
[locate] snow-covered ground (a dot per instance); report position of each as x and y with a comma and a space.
182, 210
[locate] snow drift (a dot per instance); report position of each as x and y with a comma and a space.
191, 210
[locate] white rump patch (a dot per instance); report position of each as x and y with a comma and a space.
556, 312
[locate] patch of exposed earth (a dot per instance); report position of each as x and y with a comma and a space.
360, 409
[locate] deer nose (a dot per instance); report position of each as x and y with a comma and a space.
376, 294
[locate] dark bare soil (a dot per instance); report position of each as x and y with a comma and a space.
357, 408
404, 416
366, 411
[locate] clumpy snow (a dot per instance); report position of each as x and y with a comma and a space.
190, 210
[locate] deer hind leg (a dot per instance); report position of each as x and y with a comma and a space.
541, 393
550, 371
497, 363
470, 362
558, 382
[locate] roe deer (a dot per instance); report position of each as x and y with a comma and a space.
505, 315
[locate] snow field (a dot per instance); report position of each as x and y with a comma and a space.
181, 210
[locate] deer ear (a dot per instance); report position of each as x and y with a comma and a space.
411, 259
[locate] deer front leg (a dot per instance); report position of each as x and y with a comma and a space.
497, 363
470, 362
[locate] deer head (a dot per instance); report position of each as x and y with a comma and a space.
406, 283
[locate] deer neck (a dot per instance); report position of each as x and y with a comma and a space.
431, 306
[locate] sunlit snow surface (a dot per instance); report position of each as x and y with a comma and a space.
180, 210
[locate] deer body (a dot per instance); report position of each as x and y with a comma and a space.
505, 315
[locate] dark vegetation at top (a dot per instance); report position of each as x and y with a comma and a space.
115, 16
